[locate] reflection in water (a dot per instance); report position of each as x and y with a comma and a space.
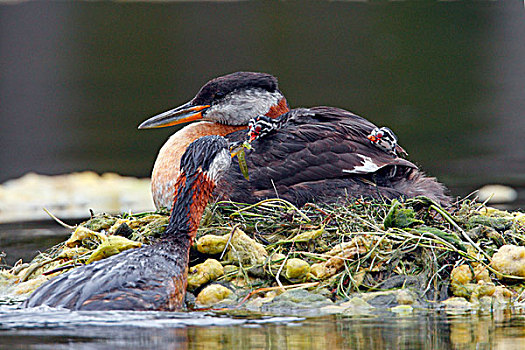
115, 330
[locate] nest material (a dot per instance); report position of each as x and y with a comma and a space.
336, 250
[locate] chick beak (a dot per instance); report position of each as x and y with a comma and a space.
370, 137
236, 148
178, 115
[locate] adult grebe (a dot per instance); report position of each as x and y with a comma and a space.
319, 154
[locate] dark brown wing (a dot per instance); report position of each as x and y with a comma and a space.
319, 152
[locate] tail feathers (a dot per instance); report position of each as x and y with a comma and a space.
417, 183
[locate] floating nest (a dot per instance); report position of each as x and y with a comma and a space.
250, 254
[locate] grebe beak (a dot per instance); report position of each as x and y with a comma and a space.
178, 115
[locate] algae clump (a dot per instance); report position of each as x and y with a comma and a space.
213, 294
203, 273
110, 246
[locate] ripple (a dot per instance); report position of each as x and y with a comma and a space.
44, 317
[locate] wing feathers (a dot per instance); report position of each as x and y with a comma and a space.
319, 153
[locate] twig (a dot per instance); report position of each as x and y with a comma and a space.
58, 269
229, 240
278, 200
58, 220
267, 289
279, 271
447, 217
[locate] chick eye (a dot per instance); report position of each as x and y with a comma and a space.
219, 94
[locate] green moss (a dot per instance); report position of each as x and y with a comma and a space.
401, 217
497, 223
100, 222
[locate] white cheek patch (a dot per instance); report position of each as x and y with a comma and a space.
368, 166
240, 106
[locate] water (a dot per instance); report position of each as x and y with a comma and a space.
60, 329
23, 240
77, 79
125, 329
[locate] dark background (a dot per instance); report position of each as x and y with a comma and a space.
449, 78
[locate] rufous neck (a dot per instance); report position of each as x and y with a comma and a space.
191, 197
278, 109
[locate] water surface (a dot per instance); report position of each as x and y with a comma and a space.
45, 328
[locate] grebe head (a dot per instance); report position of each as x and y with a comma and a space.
232, 99
261, 126
384, 138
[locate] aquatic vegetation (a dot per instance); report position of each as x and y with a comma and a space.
213, 294
253, 253
201, 274
510, 260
